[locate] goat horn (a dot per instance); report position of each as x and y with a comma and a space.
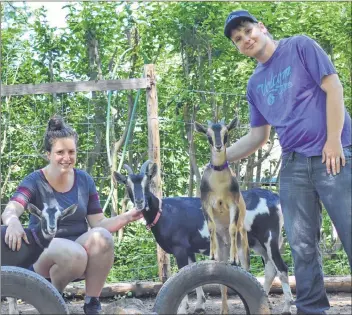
128, 168
144, 166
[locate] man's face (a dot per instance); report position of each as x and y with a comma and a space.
250, 38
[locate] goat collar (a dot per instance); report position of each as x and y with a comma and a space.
219, 167
36, 238
156, 219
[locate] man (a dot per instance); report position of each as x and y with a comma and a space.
295, 89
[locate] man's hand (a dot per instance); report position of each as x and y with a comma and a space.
134, 215
333, 156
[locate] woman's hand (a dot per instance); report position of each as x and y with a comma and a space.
134, 215
14, 234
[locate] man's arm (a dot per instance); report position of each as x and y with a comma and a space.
249, 143
332, 151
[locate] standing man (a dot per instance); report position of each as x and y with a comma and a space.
295, 88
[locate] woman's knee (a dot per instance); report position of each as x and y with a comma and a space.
71, 252
100, 240
63, 253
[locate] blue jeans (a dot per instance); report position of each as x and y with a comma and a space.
304, 184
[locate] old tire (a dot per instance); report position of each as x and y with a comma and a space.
198, 274
32, 288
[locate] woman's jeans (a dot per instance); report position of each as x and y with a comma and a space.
304, 184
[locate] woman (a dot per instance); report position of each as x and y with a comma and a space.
76, 252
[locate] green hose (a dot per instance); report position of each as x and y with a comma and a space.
125, 144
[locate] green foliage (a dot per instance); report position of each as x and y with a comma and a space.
185, 41
135, 258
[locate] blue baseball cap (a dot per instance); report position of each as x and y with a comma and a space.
235, 18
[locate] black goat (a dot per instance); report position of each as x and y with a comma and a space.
180, 228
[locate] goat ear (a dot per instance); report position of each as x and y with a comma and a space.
34, 210
119, 178
200, 128
152, 170
232, 124
68, 211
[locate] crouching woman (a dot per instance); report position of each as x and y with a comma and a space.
76, 252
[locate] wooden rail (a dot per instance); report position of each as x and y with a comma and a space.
67, 87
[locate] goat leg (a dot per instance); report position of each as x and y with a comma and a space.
240, 227
233, 248
213, 239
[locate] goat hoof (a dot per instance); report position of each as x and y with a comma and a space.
286, 313
233, 263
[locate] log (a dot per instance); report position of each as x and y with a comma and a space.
146, 288
138, 289
332, 285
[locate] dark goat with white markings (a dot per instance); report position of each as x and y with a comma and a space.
179, 226
38, 237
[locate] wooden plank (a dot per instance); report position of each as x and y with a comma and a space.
67, 87
154, 155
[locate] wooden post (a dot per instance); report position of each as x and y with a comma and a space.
154, 155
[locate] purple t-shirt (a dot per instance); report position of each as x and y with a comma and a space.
35, 189
285, 93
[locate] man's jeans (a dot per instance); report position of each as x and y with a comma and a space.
304, 182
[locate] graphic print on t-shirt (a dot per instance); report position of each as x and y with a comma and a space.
275, 85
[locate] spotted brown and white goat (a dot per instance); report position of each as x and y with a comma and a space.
180, 228
222, 202
39, 238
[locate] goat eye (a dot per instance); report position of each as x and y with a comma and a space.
210, 140
225, 139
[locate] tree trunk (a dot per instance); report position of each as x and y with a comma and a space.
189, 119
212, 85
51, 74
259, 169
95, 73
248, 178
190, 181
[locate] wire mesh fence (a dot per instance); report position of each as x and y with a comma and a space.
23, 122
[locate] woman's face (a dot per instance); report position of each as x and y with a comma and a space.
63, 154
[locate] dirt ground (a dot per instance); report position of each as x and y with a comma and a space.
340, 304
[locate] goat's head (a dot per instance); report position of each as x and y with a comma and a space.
50, 217
138, 184
217, 133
